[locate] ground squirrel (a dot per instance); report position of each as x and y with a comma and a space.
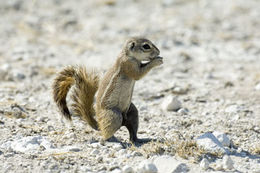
113, 107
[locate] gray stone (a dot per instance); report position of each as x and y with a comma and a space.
17, 75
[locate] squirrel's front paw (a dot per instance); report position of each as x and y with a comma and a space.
157, 61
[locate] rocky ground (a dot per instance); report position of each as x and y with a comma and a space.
202, 105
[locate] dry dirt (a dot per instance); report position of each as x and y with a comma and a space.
211, 53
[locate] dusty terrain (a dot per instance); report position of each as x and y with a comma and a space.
211, 53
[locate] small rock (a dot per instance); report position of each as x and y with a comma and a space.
211, 144
222, 137
127, 169
227, 163
122, 152
204, 164
74, 149
257, 87
181, 168
179, 90
95, 152
50, 128
136, 153
183, 111
100, 159
95, 145
17, 75
232, 109
117, 146
30, 144
218, 166
17, 113
9, 154
6, 67
46, 144
146, 167
171, 103
84, 169
3, 73
69, 135
168, 2
116, 171
169, 164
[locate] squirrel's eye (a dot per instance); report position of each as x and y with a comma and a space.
146, 46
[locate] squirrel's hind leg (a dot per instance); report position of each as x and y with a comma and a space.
131, 122
110, 120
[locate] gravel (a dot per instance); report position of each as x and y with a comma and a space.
201, 105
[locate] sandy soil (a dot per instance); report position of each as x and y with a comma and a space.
211, 53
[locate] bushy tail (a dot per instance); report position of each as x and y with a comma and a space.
86, 85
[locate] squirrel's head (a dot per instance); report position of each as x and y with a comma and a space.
141, 49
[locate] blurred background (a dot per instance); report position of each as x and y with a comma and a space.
79, 30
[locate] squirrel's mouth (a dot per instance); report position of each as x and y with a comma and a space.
145, 62
148, 60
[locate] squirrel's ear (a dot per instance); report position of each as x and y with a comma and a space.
131, 45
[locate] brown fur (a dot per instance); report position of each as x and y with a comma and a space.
83, 94
114, 92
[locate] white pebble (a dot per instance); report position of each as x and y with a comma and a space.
127, 169
204, 164
30, 144
146, 167
210, 143
5, 67
169, 164
116, 171
183, 111
95, 145
171, 103
227, 163
257, 87
84, 168
122, 152
117, 146
222, 137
